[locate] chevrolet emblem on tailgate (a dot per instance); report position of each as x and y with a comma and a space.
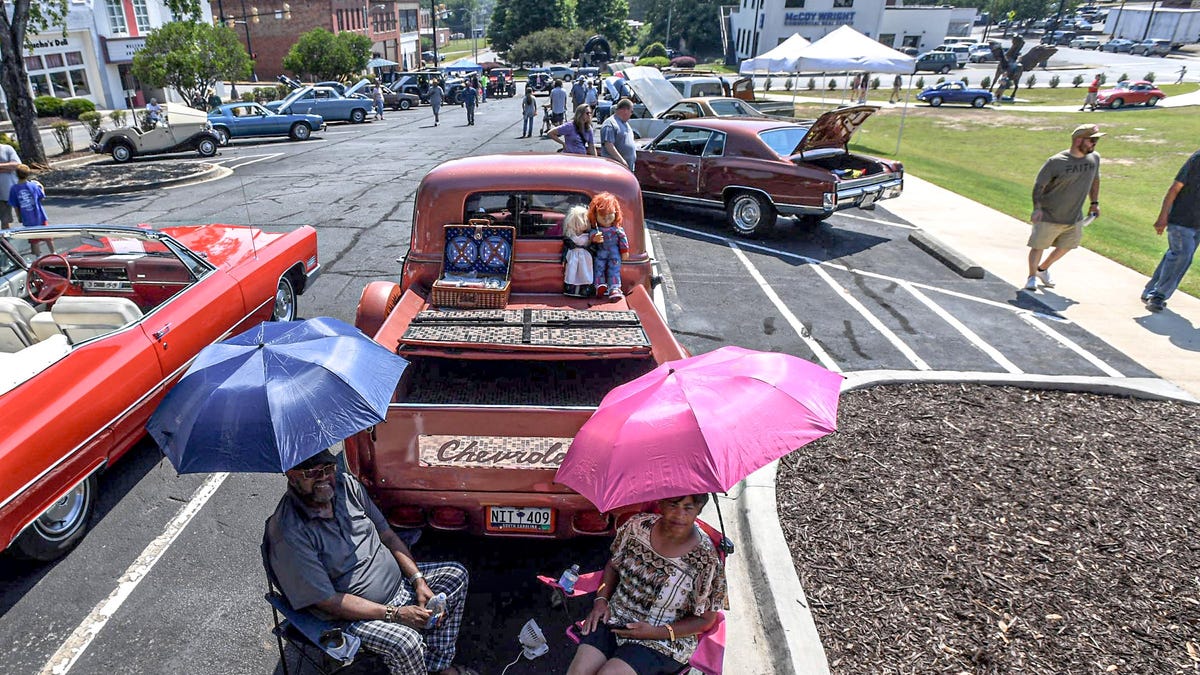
492, 452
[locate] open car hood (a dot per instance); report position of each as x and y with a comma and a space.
834, 128
358, 87
656, 93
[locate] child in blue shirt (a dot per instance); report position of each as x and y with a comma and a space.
26, 198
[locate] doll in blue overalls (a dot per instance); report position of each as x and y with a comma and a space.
604, 214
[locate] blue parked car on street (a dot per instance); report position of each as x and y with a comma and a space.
955, 92
244, 120
326, 102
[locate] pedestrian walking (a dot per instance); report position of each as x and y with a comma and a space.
863, 83
377, 94
9, 161
469, 96
26, 198
1182, 72
616, 137
897, 82
436, 94
591, 96
528, 113
1065, 181
558, 103
575, 136
578, 93
1179, 217
1093, 92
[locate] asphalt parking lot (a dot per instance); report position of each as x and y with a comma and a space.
853, 294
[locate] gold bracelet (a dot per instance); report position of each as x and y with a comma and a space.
671, 632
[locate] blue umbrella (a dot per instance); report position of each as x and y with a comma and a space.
268, 399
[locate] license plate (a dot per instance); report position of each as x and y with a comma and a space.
525, 520
869, 199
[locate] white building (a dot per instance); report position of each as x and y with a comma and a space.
760, 25
93, 59
1177, 25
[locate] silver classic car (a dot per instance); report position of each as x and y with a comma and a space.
181, 129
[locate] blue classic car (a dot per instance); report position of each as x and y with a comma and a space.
955, 92
323, 101
243, 120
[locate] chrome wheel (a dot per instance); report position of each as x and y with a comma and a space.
122, 153
750, 215
300, 131
207, 147
59, 527
222, 136
285, 301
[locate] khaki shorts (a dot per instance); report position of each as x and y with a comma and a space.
1046, 235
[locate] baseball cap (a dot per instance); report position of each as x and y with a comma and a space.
321, 458
1087, 131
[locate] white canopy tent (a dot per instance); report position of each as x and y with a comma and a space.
781, 59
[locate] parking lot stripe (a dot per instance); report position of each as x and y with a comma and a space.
878, 325
801, 330
877, 221
969, 334
75, 645
1072, 345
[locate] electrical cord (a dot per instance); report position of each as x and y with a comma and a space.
519, 655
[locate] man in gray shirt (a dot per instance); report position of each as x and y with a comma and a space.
333, 552
616, 138
1065, 181
9, 161
558, 103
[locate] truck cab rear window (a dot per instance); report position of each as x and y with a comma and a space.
536, 215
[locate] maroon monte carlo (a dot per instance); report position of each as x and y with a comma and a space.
757, 169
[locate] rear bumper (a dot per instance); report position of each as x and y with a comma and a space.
854, 195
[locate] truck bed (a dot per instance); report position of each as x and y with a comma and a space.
526, 327
447, 381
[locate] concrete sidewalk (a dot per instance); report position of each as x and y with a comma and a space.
1096, 293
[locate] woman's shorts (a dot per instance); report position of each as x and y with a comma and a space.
643, 660
1046, 235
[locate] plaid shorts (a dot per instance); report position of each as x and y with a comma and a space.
407, 650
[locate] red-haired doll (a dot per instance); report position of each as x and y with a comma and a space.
604, 213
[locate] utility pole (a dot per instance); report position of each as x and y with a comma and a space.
670, 8
1149, 20
433, 24
754, 44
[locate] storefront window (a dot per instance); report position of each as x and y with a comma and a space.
62, 84
79, 83
116, 17
40, 84
33, 63
54, 60
74, 58
141, 15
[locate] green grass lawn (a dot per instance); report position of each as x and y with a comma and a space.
993, 156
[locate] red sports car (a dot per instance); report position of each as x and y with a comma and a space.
1136, 93
124, 311
756, 169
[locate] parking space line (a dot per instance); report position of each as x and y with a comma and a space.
854, 216
803, 332
1072, 345
969, 334
245, 160
75, 645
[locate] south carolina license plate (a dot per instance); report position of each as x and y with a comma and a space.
524, 520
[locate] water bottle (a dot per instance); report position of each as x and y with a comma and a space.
568, 579
436, 605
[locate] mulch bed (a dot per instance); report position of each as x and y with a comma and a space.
102, 176
975, 529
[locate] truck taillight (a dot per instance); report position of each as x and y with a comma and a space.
591, 522
448, 518
406, 516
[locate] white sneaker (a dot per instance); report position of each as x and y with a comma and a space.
1031, 284
1044, 277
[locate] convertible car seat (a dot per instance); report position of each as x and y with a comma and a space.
81, 318
15, 332
43, 326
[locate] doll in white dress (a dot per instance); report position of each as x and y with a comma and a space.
577, 254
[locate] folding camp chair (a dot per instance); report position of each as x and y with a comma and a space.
334, 649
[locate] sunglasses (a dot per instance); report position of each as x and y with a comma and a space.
318, 472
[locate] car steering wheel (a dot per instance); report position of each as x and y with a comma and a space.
44, 285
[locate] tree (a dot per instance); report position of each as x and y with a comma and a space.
515, 19
550, 44
191, 57
606, 17
326, 56
18, 19
694, 25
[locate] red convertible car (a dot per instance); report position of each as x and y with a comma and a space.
123, 311
1135, 93
756, 169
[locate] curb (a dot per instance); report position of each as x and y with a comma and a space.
949, 257
212, 171
786, 618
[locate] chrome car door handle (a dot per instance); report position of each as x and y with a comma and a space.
158, 334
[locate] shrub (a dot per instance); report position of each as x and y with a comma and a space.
264, 93
1076, 81
875, 83
812, 83
788, 84
91, 121
767, 84
833, 84
1055, 81
966, 82
653, 49
986, 82
74, 107
118, 117
1103, 78
940, 80
281, 91
248, 96
48, 106
62, 134
5, 139
1030, 81
654, 61
920, 83
684, 62
1124, 77
1149, 77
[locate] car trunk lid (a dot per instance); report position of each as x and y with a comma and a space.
834, 129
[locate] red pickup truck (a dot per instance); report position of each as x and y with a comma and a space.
493, 396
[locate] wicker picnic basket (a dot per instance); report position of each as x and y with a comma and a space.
482, 251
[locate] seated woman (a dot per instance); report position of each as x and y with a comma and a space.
662, 587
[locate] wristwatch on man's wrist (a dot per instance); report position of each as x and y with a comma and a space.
413, 578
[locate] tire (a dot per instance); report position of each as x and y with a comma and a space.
935, 101
121, 152
1116, 103
405, 104
1152, 101
978, 102
944, 70
222, 136
358, 116
60, 527
285, 300
750, 214
207, 147
299, 132
377, 301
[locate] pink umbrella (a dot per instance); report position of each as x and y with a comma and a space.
699, 424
